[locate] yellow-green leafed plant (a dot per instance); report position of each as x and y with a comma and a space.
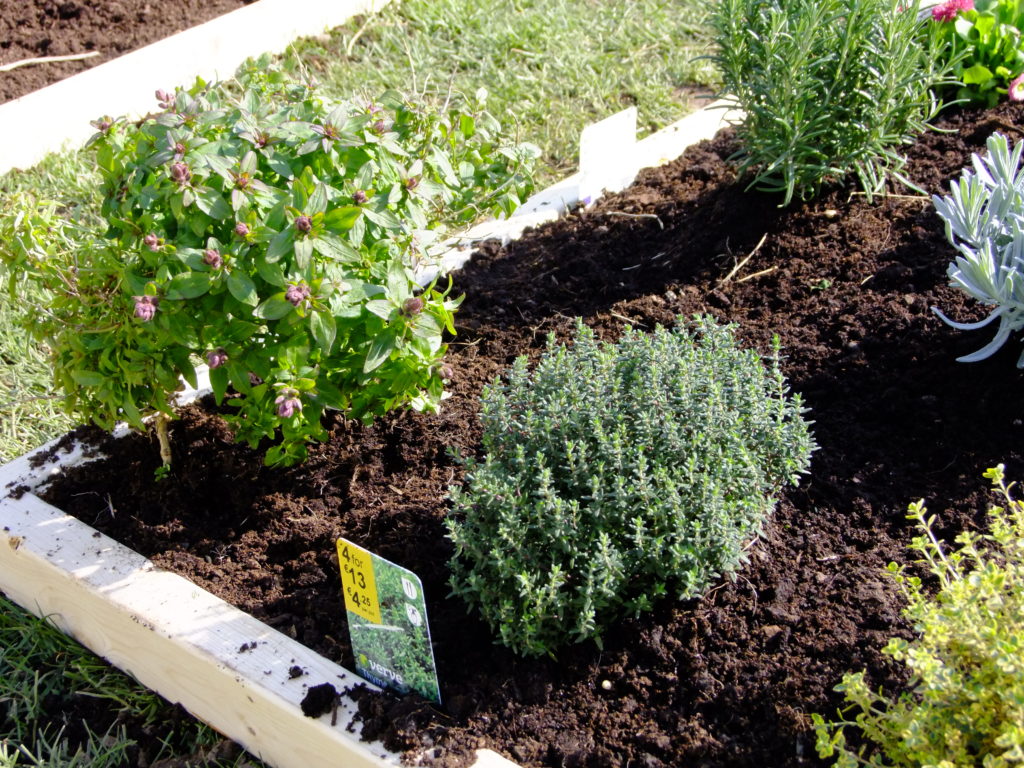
965, 707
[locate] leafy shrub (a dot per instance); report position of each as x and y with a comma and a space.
828, 87
273, 235
984, 215
966, 703
615, 474
983, 42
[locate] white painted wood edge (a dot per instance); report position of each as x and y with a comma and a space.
181, 641
178, 639
590, 182
57, 117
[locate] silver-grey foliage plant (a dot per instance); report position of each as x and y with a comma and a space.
616, 474
984, 215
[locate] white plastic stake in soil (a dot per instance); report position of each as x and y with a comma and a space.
606, 155
58, 116
221, 664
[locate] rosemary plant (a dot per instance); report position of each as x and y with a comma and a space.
829, 88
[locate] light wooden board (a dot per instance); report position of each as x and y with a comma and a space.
58, 116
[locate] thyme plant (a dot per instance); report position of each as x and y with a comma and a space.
965, 703
984, 216
274, 235
614, 475
829, 88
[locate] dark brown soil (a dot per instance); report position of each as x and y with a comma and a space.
729, 680
37, 28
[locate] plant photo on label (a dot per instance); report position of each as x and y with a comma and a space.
275, 236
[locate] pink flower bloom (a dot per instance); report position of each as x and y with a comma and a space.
288, 403
152, 242
145, 307
1016, 89
949, 10
297, 294
212, 258
215, 358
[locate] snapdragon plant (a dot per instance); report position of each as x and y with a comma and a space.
984, 215
275, 236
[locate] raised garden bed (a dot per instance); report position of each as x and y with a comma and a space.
727, 680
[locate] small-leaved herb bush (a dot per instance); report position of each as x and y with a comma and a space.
614, 475
828, 88
983, 40
273, 235
984, 216
965, 704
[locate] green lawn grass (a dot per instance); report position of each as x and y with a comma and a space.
553, 66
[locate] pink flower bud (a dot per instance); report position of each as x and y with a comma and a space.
152, 242
446, 372
412, 306
241, 229
215, 358
212, 258
297, 293
181, 173
288, 403
359, 197
303, 224
145, 307
164, 98
380, 126
179, 148
412, 183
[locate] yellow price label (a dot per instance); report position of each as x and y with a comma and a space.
357, 581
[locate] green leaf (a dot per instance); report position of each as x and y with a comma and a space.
243, 288
342, 219
336, 249
274, 308
303, 253
189, 285
324, 330
219, 382
383, 218
131, 413
280, 245
977, 75
86, 378
380, 307
271, 272
183, 362
317, 201
380, 350
210, 202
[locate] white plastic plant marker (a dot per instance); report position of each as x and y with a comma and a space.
58, 116
606, 155
183, 642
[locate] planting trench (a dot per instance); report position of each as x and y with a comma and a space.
729, 680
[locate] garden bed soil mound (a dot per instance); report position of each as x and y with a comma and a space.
728, 680
37, 28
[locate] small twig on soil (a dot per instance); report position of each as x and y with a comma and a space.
923, 198
629, 320
625, 215
762, 273
47, 60
739, 266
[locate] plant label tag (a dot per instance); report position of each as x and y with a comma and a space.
387, 622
